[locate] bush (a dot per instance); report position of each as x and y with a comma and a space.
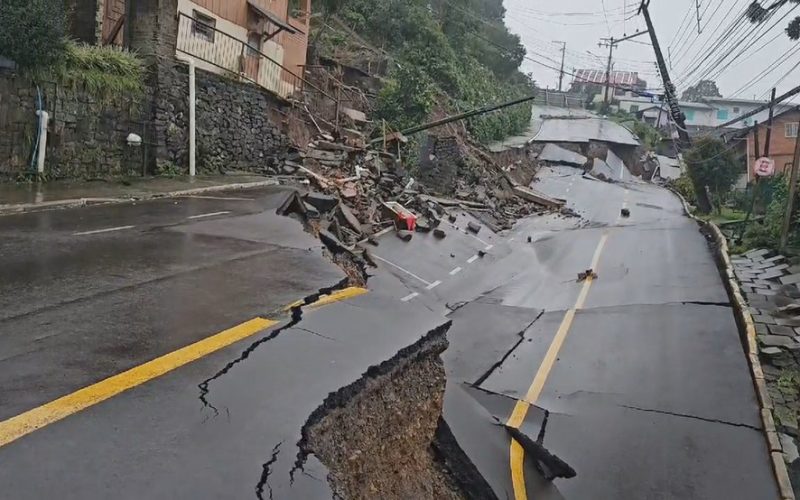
32, 32
684, 186
712, 163
104, 72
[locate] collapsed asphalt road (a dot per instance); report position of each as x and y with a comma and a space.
637, 377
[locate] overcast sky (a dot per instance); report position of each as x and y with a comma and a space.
582, 23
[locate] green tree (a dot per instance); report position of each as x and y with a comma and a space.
757, 13
704, 88
32, 32
712, 163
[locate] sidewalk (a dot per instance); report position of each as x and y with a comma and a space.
60, 194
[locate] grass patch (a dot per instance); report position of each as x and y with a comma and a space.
107, 73
726, 214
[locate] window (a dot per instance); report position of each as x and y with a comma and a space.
619, 91
736, 110
722, 114
203, 26
253, 44
689, 114
634, 109
791, 129
297, 8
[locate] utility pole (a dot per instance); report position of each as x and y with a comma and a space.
704, 204
769, 123
609, 42
563, 55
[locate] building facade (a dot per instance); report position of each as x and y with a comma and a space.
262, 41
782, 142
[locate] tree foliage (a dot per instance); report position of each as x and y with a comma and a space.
703, 89
456, 54
32, 32
758, 13
713, 164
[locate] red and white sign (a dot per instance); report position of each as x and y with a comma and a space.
764, 167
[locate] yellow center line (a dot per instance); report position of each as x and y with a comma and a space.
516, 453
48, 413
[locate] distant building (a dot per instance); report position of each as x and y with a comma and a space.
623, 84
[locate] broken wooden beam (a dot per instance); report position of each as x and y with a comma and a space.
537, 197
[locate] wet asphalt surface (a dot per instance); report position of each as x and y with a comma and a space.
649, 397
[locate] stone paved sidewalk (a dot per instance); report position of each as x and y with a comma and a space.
770, 286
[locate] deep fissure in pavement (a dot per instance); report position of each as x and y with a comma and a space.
297, 317
266, 470
384, 436
508, 353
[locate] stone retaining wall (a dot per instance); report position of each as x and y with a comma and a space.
87, 137
239, 125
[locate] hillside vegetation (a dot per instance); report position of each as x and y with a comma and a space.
445, 55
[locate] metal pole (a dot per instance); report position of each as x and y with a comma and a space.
787, 218
192, 121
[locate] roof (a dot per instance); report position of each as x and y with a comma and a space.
599, 76
584, 130
271, 17
691, 104
732, 99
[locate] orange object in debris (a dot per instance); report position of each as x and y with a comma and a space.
404, 218
409, 220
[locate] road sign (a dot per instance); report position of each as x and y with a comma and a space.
764, 167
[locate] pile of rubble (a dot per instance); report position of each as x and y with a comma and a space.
357, 191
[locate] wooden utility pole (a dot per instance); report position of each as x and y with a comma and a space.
561, 73
684, 141
769, 123
787, 218
610, 42
756, 145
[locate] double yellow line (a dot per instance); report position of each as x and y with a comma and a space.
32, 420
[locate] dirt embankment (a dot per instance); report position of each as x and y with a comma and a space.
376, 436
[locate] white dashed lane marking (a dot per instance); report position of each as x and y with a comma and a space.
455, 271
472, 259
406, 271
212, 214
433, 285
410, 297
106, 230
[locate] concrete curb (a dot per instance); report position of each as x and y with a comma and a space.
81, 202
747, 328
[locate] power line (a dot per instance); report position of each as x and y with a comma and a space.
701, 57
686, 46
681, 28
750, 41
705, 68
784, 58
605, 14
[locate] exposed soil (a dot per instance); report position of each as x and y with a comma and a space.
377, 442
